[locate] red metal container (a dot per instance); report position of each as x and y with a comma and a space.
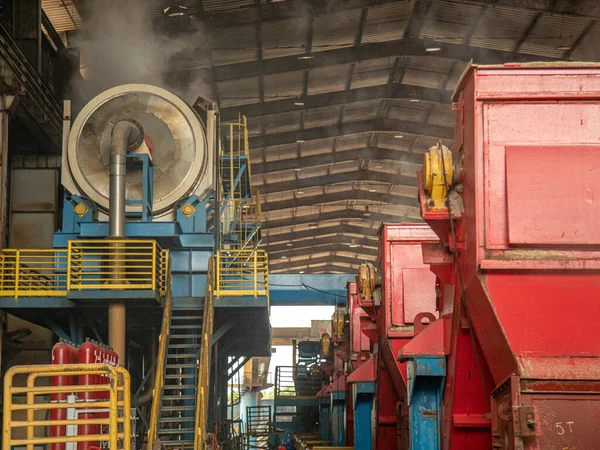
88, 354
526, 208
408, 296
62, 353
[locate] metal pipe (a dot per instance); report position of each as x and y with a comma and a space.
124, 134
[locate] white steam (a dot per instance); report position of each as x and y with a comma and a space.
120, 45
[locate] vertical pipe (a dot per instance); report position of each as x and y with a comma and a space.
123, 134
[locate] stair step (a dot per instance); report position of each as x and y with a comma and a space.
186, 327
182, 355
181, 366
183, 346
175, 431
180, 375
178, 397
185, 336
181, 319
177, 408
178, 444
177, 419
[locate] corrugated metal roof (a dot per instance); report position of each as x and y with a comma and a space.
337, 30
63, 14
501, 28
589, 50
233, 45
449, 21
387, 22
285, 37
328, 79
552, 33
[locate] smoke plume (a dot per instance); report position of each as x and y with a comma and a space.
123, 43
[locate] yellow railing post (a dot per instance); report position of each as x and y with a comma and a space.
154, 264
69, 249
160, 365
17, 270
255, 267
118, 386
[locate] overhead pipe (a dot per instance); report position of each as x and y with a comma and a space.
125, 134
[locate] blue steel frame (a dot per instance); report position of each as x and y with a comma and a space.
147, 185
325, 418
338, 419
426, 378
363, 393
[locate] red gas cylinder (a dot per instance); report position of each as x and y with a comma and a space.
62, 353
88, 354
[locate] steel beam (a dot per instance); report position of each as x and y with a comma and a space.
417, 18
349, 195
367, 154
276, 11
366, 241
387, 91
320, 231
310, 261
302, 290
332, 248
367, 126
342, 214
348, 55
344, 177
328, 269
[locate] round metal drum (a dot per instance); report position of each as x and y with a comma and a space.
174, 136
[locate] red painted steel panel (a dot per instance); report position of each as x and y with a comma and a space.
529, 249
510, 124
543, 83
576, 191
534, 310
419, 292
567, 421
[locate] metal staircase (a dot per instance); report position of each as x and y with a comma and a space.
258, 426
180, 396
180, 386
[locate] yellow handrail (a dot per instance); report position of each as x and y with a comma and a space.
159, 370
118, 404
242, 272
84, 265
205, 358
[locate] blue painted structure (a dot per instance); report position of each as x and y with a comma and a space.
426, 377
189, 267
325, 418
338, 418
304, 290
363, 393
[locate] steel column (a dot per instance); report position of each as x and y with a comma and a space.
426, 376
363, 394
338, 419
325, 418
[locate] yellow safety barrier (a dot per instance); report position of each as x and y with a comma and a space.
85, 264
242, 272
237, 154
22, 401
205, 359
33, 273
159, 371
